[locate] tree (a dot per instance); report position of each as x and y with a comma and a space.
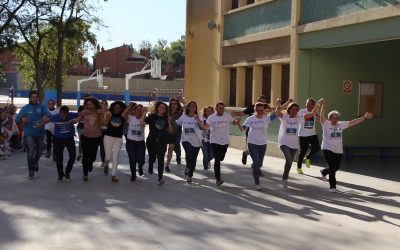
160, 51
69, 16
8, 10
176, 53
31, 28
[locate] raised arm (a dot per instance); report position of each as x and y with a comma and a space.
356, 121
322, 116
143, 116
125, 113
315, 109
278, 109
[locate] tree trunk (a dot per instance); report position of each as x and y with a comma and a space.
59, 68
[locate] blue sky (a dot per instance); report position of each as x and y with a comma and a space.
132, 21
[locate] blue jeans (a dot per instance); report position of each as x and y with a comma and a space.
289, 154
34, 148
257, 153
207, 154
136, 152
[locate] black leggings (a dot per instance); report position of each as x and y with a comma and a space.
219, 152
305, 143
89, 146
333, 160
156, 150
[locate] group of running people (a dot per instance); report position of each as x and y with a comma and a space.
172, 125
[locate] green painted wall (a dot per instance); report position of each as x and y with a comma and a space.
261, 18
316, 10
322, 72
379, 30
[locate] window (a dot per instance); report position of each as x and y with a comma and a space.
250, 1
235, 4
232, 93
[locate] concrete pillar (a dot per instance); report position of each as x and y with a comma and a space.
257, 82
240, 86
276, 82
294, 49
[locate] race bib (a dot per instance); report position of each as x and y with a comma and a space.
291, 131
189, 130
309, 124
136, 132
336, 135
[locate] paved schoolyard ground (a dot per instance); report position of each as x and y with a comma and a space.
46, 214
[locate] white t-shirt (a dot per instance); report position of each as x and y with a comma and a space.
135, 129
288, 131
50, 125
219, 128
307, 127
258, 126
190, 130
332, 136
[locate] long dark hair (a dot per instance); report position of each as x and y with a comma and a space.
158, 104
120, 103
173, 99
187, 107
92, 100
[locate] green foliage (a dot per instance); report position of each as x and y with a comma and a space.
172, 54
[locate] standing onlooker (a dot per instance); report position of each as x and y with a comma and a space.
191, 137
64, 132
257, 126
288, 139
49, 127
206, 144
332, 142
174, 142
308, 136
160, 126
91, 133
219, 123
34, 115
135, 145
113, 137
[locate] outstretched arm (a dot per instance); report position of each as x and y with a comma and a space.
356, 121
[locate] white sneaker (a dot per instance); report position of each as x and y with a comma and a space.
285, 184
323, 177
332, 190
258, 187
209, 165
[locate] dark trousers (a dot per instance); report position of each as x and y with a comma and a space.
49, 140
157, 151
191, 154
305, 143
219, 152
333, 160
89, 146
136, 152
177, 147
102, 151
59, 145
289, 154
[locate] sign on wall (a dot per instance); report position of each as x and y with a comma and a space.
347, 87
370, 98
